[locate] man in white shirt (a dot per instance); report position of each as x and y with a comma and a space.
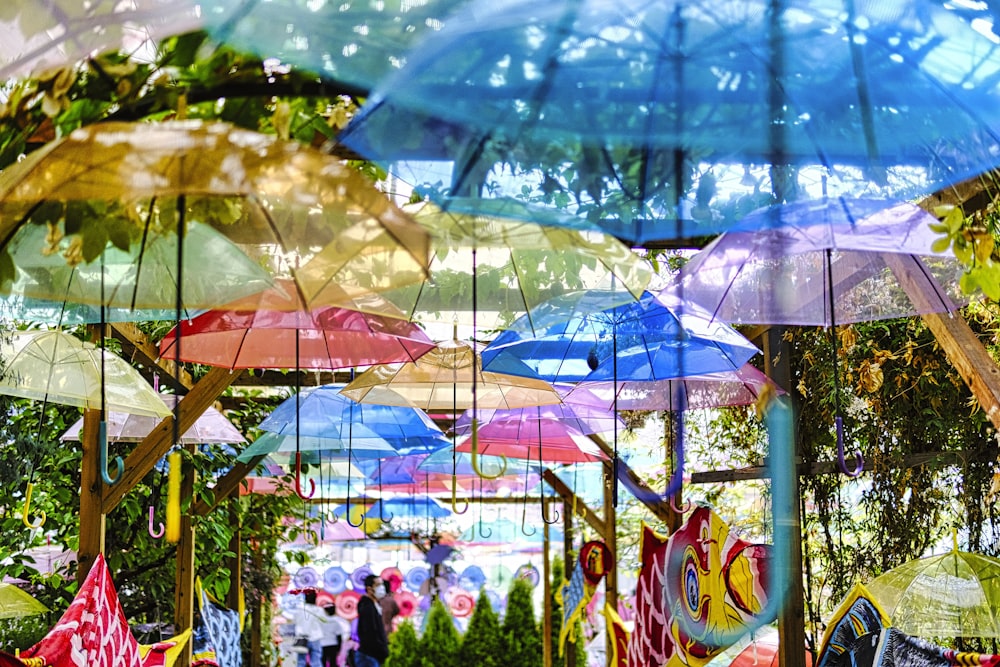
309, 624
336, 633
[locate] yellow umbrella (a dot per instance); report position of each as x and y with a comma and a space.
126, 188
510, 265
15, 603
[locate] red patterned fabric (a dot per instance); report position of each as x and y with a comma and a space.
93, 632
650, 644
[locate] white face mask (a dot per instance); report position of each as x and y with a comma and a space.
379, 592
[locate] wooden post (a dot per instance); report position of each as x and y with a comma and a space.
568, 559
236, 560
547, 598
92, 514
184, 586
791, 616
611, 541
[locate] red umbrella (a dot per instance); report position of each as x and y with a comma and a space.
515, 438
261, 332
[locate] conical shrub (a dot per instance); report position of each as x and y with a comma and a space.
521, 640
481, 642
440, 643
404, 647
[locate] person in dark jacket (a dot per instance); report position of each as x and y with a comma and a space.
373, 646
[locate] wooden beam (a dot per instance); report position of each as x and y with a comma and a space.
569, 562
960, 344
137, 346
92, 513
271, 378
571, 500
611, 576
236, 560
226, 485
821, 468
161, 439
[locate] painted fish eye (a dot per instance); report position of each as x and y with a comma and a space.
691, 584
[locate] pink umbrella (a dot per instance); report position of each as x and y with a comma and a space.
740, 387
272, 330
550, 433
440, 483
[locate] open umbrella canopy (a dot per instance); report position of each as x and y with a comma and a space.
113, 187
489, 269
57, 367
211, 427
743, 386
885, 98
326, 412
444, 379
651, 339
262, 331
410, 507
312, 449
956, 594
15, 603
825, 262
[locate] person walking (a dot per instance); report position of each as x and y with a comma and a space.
390, 608
336, 633
308, 626
373, 643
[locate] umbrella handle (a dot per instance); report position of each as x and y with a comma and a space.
27, 506
152, 532
545, 518
298, 480
102, 437
474, 455
381, 513
454, 498
347, 514
685, 506
859, 464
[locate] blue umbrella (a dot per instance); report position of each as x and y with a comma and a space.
413, 507
639, 96
323, 412
654, 338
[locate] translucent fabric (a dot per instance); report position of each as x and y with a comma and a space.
448, 378
952, 595
296, 211
415, 507
547, 419
518, 265
465, 484
15, 603
902, 93
312, 450
270, 337
211, 427
448, 461
711, 390
655, 338
790, 264
512, 440
323, 412
59, 368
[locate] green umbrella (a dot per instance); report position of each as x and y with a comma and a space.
15, 603
956, 594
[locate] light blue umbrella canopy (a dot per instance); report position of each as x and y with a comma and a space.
322, 412
312, 449
412, 507
654, 338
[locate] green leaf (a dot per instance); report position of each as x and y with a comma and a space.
941, 244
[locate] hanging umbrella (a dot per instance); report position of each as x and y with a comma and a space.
365, 443
326, 412
56, 367
956, 594
15, 603
896, 98
396, 470
790, 264
655, 338
264, 332
63, 313
744, 386
211, 427
444, 379
116, 185
411, 507
488, 269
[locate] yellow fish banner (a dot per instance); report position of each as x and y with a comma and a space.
619, 637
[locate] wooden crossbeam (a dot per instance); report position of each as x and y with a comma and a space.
226, 485
821, 468
137, 346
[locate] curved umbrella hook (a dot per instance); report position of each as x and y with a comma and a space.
685, 506
361, 520
454, 498
524, 523
485, 534
541, 463
27, 507
859, 461
298, 479
102, 436
153, 532
381, 500
545, 518
474, 456
524, 511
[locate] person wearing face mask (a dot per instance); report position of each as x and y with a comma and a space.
373, 644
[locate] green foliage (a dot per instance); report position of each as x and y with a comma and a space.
440, 642
404, 647
521, 640
481, 642
20, 633
556, 614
